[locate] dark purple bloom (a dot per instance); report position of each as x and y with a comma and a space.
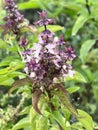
32, 64
61, 41
13, 18
24, 42
27, 52
70, 53
46, 36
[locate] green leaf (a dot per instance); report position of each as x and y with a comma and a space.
42, 123
12, 67
53, 128
33, 117
73, 89
7, 60
77, 77
22, 124
28, 128
95, 90
64, 98
88, 74
7, 79
86, 120
2, 44
72, 6
79, 23
95, 76
66, 113
59, 118
28, 5
82, 1
25, 110
28, 28
16, 65
7, 82
77, 126
86, 46
92, 57
53, 28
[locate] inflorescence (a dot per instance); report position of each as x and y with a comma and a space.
14, 18
50, 58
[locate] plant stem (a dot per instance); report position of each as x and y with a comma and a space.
88, 7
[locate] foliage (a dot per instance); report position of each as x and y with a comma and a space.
78, 22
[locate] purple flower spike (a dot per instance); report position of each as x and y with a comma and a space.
13, 18
50, 57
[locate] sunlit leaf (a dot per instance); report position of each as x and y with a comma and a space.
5, 77
26, 110
28, 128
2, 44
42, 123
12, 67
72, 6
7, 82
28, 29
76, 126
21, 124
7, 60
86, 46
73, 89
77, 77
79, 23
54, 128
86, 120
33, 116
59, 118
28, 5
53, 28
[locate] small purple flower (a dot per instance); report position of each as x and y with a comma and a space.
44, 20
43, 14
51, 48
46, 36
32, 65
27, 52
70, 53
61, 41
24, 42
